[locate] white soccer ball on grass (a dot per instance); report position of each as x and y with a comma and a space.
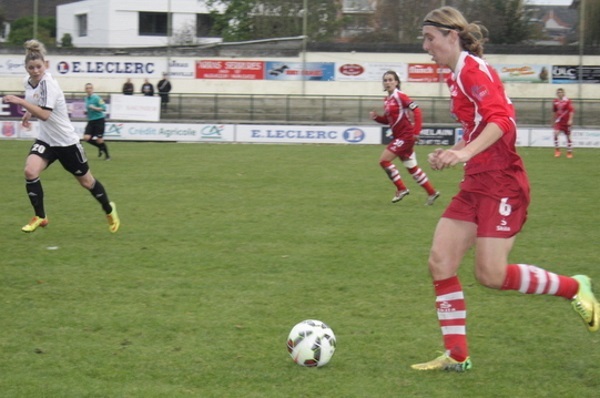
311, 343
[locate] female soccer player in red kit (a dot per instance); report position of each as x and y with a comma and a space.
563, 119
404, 118
491, 206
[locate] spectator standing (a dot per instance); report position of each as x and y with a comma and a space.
147, 88
128, 88
164, 88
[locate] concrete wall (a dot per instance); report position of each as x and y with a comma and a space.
111, 83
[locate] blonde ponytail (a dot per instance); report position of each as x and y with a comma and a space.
34, 50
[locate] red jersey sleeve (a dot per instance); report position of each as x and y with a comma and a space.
485, 89
381, 119
407, 104
418, 122
478, 98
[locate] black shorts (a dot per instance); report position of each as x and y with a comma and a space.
71, 157
95, 128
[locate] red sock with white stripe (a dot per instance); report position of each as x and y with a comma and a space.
529, 279
452, 316
393, 174
421, 178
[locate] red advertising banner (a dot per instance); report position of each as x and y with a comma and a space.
426, 73
233, 69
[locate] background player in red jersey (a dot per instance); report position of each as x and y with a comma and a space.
491, 206
563, 119
404, 118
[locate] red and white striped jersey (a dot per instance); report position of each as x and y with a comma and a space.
477, 99
562, 108
396, 114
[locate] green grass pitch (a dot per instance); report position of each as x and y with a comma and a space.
224, 247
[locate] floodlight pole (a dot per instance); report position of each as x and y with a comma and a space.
35, 18
442, 84
169, 36
581, 45
304, 39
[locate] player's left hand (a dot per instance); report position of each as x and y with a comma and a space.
433, 158
442, 159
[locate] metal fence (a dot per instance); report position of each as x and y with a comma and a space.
333, 109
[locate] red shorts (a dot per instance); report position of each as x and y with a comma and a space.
565, 128
495, 201
401, 148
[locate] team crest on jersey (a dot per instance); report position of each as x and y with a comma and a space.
479, 92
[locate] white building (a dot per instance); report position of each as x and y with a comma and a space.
134, 23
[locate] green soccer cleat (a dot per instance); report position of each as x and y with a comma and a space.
445, 362
113, 219
585, 304
34, 224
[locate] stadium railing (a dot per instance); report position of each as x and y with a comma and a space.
335, 109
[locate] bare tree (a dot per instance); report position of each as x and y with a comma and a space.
506, 20
411, 17
592, 23
260, 19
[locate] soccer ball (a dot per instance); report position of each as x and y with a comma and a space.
311, 343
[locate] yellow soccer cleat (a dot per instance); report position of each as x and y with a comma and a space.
585, 304
113, 219
34, 224
445, 362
